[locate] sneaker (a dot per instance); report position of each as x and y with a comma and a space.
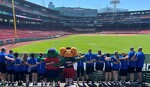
41, 84
27, 84
45, 84
77, 83
51, 84
92, 82
87, 81
20, 83
9, 83
139, 82
35, 84
66, 85
83, 83
56, 84
109, 83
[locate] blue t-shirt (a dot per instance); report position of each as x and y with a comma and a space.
101, 58
131, 63
10, 64
140, 59
89, 57
108, 63
33, 61
80, 63
24, 66
41, 67
115, 66
18, 68
2, 57
123, 64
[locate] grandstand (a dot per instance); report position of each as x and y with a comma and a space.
9, 33
31, 16
38, 22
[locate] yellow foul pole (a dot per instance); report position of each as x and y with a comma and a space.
14, 19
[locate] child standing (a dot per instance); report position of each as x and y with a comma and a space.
32, 62
18, 69
41, 69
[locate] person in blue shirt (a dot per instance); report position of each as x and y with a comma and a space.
25, 67
108, 68
123, 67
140, 57
33, 62
18, 75
99, 66
10, 67
3, 58
90, 58
131, 64
41, 69
80, 69
115, 65
100, 61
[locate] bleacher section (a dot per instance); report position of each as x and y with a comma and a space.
9, 33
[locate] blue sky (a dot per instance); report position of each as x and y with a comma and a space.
97, 4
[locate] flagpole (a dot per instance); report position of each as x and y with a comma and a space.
14, 19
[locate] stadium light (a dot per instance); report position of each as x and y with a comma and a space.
14, 19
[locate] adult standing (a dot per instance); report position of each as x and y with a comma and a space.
100, 63
131, 64
123, 67
10, 68
108, 68
80, 69
115, 66
89, 59
140, 56
3, 58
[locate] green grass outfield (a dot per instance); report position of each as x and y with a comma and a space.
106, 43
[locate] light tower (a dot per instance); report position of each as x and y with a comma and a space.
43, 3
115, 2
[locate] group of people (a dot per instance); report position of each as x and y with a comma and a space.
14, 68
28, 68
114, 65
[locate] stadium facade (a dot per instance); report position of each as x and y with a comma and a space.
33, 16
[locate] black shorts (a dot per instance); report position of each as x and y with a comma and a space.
54, 74
3, 68
33, 71
10, 71
89, 69
138, 70
99, 67
115, 69
80, 70
25, 72
131, 69
123, 72
108, 69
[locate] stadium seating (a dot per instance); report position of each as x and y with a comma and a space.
145, 32
9, 33
119, 32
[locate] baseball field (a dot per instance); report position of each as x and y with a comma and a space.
83, 42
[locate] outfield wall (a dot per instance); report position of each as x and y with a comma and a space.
18, 40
